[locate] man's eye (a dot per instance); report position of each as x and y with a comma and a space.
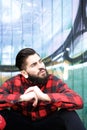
33, 65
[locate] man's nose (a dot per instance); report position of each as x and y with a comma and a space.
40, 65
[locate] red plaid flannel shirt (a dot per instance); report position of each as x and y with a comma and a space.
61, 97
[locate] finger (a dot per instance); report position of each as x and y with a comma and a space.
29, 90
35, 102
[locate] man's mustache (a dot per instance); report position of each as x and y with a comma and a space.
42, 69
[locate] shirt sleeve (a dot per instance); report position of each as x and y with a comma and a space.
65, 97
7, 97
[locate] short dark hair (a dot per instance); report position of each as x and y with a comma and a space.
21, 57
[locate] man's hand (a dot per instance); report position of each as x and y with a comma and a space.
41, 96
31, 96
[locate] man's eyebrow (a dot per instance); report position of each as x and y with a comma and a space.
40, 59
33, 63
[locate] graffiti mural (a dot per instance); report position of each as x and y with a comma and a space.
56, 29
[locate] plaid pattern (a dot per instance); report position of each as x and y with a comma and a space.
61, 97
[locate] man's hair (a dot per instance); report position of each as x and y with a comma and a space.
21, 57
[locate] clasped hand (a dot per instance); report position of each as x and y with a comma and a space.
34, 94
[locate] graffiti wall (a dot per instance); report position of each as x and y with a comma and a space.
56, 29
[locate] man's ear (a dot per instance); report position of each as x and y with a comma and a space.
24, 73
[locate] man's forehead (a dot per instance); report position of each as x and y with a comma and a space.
33, 58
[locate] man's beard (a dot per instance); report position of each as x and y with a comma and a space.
37, 80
